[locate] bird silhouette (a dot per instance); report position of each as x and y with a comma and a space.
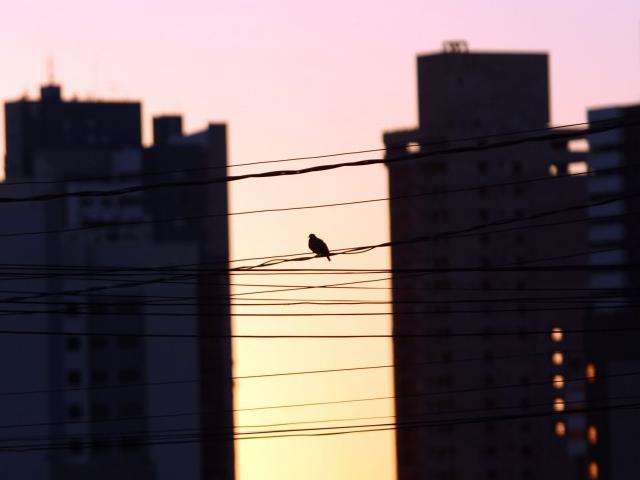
318, 247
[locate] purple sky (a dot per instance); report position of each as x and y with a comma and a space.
294, 78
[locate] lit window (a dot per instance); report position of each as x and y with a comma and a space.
558, 382
590, 372
577, 168
558, 404
561, 429
553, 170
593, 470
578, 145
556, 334
592, 435
557, 358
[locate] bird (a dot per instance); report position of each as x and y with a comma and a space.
318, 247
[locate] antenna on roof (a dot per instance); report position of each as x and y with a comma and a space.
455, 46
51, 76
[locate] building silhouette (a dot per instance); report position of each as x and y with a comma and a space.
466, 384
110, 398
613, 232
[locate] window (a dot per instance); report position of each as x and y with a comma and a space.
592, 471
99, 411
490, 403
130, 308
517, 167
75, 446
98, 342
129, 375
97, 309
74, 410
590, 372
558, 405
73, 344
71, 308
131, 409
100, 445
557, 358
556, 334
522, 332
131, 443
558, 382
74, 377
577, 168
128, 341
99, 376
560, 429
441, 262
592, 435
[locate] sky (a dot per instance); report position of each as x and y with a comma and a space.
295, 78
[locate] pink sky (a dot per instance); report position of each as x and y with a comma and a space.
294, 78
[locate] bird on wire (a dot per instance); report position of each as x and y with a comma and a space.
318, 247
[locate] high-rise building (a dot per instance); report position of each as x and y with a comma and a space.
115, 403
613, 233
494, 404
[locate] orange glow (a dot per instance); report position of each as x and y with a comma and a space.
556, 334
592, 435
558, 382
590, 372
561, 429
558, 404
593, 470
557, 358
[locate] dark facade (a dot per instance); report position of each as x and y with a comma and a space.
614, 232
200, 155
447, 378
53, 124
97, 146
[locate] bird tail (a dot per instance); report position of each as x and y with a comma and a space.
328, 258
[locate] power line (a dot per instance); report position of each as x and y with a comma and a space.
457, 233
318, 168
308, 157
106, 435
56, 333
541, 383
134, 223
282, 374
337, 430
607, 296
